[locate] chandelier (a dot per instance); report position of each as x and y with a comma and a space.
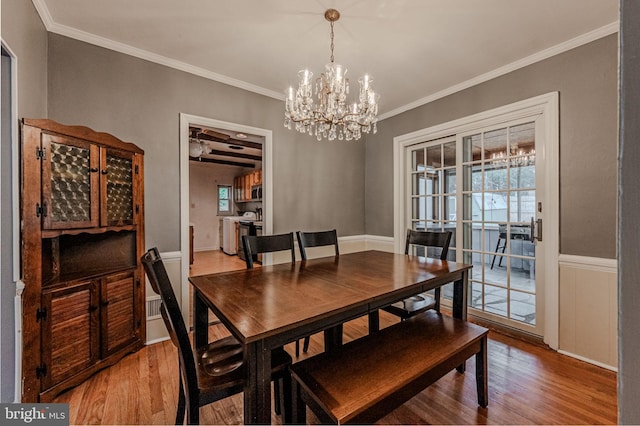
331, 116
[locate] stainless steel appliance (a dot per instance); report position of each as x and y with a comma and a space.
246, 227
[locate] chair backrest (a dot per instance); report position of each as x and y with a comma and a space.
429, 239
316, 239
172, 317
254, 244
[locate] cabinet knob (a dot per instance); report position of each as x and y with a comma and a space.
93, 170
105, 171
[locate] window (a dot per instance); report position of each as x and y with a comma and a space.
224, 199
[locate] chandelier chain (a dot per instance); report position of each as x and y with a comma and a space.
331, 41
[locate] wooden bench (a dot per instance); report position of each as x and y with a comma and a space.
365, 379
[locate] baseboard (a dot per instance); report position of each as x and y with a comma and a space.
590, 361
158, 340
199, 249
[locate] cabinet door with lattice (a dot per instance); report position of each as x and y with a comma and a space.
70, 341
118, 170
70, 185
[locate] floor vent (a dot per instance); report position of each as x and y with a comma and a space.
153, 308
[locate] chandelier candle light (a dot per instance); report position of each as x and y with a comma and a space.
331, 116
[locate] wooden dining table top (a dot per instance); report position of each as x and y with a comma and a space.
256, 304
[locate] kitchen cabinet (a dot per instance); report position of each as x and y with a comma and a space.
82, 236
244, 184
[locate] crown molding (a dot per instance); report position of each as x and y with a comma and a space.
596, 34
64, 30
74, 33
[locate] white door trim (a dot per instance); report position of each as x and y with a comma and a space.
15, 206
267, 182
545, 105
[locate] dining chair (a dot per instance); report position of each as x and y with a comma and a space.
216, 370
255, 244
432, 243
317, 239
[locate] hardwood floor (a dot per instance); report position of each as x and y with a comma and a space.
528, 384
208, 262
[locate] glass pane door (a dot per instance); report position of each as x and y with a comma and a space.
482, 186
433, 190
499, 201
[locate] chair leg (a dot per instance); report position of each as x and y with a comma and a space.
193, 412
297, 348
277, 397
287, 403
305, 346
181, 403
494, 256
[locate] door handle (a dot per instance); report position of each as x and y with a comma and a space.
536, 230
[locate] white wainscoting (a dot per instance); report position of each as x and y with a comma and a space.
156, 330
349, 244
589, 309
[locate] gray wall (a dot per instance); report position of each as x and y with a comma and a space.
629, 206
586, 78
24, 34
316, 184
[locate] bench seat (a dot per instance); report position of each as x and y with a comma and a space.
366, 379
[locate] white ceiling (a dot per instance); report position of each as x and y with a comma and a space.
417, 50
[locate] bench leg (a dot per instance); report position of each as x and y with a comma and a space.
481, 374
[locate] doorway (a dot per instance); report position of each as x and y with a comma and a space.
187, 124
492, 180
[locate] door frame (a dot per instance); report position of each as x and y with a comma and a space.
15, 206
187, 120
547, 106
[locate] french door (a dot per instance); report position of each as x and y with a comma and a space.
482, 185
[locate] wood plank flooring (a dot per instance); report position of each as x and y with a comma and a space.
209, 262
528, 384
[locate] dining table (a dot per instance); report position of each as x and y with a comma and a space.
270, 306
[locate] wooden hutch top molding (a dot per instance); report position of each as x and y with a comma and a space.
82, 132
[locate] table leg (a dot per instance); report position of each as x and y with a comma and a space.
200, 321
333, 338
374, 321
460, 291
257, 390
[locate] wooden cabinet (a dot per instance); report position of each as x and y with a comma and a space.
82, 238
245, 183
69, 316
